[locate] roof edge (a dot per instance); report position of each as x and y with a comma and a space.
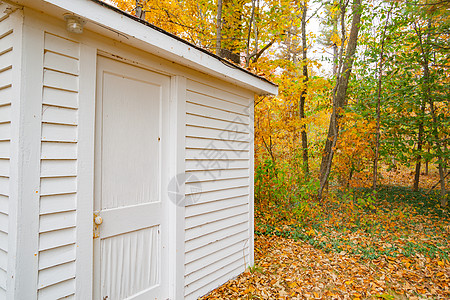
163, 43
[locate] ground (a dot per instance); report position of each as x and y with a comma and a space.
393, 244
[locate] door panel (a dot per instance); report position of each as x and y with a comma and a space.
130, 239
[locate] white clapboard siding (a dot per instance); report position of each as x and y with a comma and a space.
218, 139
7, 37
58, 193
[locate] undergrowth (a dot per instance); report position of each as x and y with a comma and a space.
390, 222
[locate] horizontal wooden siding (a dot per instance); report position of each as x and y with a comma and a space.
6, 65
218, 140
57, 221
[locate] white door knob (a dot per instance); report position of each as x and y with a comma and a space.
98, 220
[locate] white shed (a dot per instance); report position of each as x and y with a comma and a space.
121, 122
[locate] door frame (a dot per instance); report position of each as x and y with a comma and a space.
164, 172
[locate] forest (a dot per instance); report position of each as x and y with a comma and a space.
352, 156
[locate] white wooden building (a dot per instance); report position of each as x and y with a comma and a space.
102, 134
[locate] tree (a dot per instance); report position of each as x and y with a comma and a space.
340, 89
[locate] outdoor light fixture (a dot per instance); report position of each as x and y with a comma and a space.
74, 24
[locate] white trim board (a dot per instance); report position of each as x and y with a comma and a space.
129, 31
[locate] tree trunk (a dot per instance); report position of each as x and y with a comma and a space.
252, 17
140, 13
303, 93
335, 58
231, 34
427, 95
339, 97
219, 28
380, 77
419, 149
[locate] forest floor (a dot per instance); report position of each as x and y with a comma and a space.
394, 244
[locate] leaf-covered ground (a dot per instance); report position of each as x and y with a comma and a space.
393, 244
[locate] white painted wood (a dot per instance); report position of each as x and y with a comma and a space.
220, 277
58, 185
196, 198
206, 239
5, 95
214, 216
215, 175
57, 261
211, 112
131, 117
251, 204
5, 76
57, 221
55, 239
218, 144
4, 224
59, 80
58, 168
199, 231
202, 121
131, 264
61, 46
176, 208
85, 169
59, 291
6, 59
216, 164
131, 133
59, 115
58, 133
58, 62
217, 91
27, 110
217, 265
215, 205
216, 106
55, 150
205, 132
4, 242
4, 205
236, 245
10, 50
56, 274
60, 98
5, 113
58, 203
193, 153
61, 255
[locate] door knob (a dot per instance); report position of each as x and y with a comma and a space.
98, 220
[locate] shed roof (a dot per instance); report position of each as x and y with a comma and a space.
143, 35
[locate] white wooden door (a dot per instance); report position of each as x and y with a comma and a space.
130, 257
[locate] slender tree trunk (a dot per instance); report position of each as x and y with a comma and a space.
419, 148
252, 17
427, 95
303, 93
380, 77
219, 28
140, 13
335, 58
426, 163
339, 97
